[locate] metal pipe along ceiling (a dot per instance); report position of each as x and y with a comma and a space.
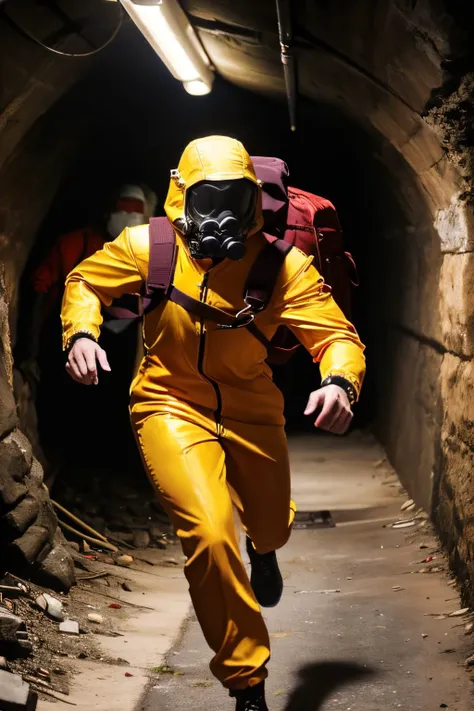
285, 34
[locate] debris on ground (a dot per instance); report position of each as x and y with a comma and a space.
69, 627
125, 560
107, 522
315, 592
15, 693
118, 510
459, 613
51, 606
403, 524
31, 645
93, 617
14, 641
141, 539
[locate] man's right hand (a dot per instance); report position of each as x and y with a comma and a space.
82, 361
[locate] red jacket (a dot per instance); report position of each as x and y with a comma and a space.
67, 252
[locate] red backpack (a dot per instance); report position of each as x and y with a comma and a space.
292, 218
310, 223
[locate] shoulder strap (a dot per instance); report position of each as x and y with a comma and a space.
264, 272
162, 258
161, 265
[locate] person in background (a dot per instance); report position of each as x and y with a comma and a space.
132, 204
130, 208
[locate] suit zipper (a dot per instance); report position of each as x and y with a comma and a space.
202, 347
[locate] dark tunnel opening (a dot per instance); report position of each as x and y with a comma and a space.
139, 121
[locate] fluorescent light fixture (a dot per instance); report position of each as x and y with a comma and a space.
166, 27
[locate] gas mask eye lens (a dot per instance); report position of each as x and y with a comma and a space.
200, 201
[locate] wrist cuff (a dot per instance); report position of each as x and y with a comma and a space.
76, 337
343, 383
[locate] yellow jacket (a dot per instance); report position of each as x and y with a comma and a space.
189, 362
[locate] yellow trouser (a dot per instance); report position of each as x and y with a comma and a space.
199, 474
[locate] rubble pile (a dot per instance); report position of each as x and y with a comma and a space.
33, 650
32, 544
124, 511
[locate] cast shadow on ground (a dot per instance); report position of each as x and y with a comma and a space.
316, 682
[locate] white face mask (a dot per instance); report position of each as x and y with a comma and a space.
118, 221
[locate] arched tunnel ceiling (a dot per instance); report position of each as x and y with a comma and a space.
378, 61
349, 53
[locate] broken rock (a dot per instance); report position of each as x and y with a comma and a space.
141, 539
22, 516
11, 491
51, 606
57, 569
26, 549
15, 694
69, 627
15, 455
8, 411
13, 636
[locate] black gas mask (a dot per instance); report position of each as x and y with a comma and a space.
219, 214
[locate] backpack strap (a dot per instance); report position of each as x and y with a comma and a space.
244, 319
208, 312
163, 252
258, 291
264, 272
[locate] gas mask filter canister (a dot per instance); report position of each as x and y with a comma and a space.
219, 214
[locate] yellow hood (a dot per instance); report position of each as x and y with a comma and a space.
211, 158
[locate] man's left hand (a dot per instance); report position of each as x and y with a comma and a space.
333, 407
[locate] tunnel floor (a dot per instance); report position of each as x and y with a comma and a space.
364, 622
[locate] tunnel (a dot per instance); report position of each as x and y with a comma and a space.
384, 130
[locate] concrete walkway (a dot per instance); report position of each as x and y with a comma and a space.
360, 627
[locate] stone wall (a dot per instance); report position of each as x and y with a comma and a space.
31, 543
38, 136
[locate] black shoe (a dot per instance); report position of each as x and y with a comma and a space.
251, 699
265, 578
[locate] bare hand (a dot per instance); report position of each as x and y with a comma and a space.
82, 361
334, 408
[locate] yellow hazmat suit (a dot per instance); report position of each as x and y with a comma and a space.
207, 416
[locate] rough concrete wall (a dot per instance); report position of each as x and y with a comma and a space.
454, 474
401, 278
